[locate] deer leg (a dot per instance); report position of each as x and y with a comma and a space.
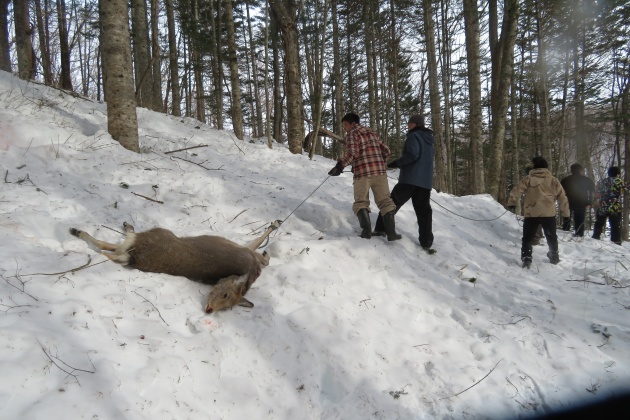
253, 245
102, 245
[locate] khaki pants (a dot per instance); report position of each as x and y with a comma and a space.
380, 189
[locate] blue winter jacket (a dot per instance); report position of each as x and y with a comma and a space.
416, 162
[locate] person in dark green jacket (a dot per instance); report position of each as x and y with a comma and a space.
416, 179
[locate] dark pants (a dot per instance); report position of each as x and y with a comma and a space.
614, 221
579, 214
421, 200
530, 226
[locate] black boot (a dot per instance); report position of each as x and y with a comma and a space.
364, 221
553, 254
526, 255
379, 227
390, 226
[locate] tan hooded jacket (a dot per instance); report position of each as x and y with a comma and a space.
541, 191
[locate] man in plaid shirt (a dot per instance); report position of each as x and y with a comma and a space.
367, 154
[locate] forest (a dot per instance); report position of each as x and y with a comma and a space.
497, 81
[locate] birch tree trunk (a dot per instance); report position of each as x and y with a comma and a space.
497, 138
122, 123
471, 23
285, 12
237, 112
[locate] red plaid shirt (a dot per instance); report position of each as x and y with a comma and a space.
365, 152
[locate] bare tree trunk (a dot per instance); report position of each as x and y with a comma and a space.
5, 51
267, 102
497, 138
434, 96
217, 66
122, 123
66, 78
446, 89
44, 42
543, 91
339, 106
319, 83
471, 19
285, 12
173, 62
277, 95
156, 62
141, 53
257, 103
237, 112
625, 111
368, 16
23, 41
395, 39
198, 68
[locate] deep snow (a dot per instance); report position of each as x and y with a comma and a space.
342, 328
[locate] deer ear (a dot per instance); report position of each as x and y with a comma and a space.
245, 303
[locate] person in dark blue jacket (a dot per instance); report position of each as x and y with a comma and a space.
416, 179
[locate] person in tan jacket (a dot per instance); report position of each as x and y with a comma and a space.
541, 190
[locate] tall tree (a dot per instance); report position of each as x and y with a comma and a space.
497, 133
43, 34
237, 112
285, 14
156, 62
172, 59
122, 122
471, 19
434, 95
5, 52
23, 40
64, 47
141, 53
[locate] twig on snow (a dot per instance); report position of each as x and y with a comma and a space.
185, 148
487, 374
151, 303
72, 369
147, 198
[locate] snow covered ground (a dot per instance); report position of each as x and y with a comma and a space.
342, 328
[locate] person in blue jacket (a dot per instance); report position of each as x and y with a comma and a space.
416, 179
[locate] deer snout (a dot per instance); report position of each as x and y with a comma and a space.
209, 309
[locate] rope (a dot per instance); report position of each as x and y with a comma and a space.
293, 211
468, 218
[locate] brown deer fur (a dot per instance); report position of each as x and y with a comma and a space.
206, 259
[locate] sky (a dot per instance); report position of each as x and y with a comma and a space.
342, 327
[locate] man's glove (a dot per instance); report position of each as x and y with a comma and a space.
337, 170
511, 208
392, 164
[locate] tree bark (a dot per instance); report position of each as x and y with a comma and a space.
66, 77
5, 56
285, 12
23, 41
339, 105
471, 23
258, 123
141, 53
156, 62
122, 123
173, 62
434, 95
216, 62
497, 138
237, 112
543, 90
44, 42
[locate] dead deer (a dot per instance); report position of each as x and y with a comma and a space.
215, 260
